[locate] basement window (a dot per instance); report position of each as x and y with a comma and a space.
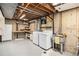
43, 20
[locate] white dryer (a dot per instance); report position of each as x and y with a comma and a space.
45, 40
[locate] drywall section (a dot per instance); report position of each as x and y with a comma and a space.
2, 23
68, 23
2, 26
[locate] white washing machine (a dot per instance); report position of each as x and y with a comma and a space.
44, 40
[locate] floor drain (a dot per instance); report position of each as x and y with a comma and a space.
45, 52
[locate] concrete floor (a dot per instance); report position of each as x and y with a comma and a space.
23, 48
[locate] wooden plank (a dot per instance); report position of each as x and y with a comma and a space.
58, 23
51, 7
45, 8
22, 10
30, 16
42, 8
69, 28
35, 8
17, 19
29, 10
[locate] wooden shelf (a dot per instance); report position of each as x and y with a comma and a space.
22, 32
46, 27
25, 29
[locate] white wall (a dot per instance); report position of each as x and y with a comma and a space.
2, 23
7, 35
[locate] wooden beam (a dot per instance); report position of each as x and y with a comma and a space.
16, 19
22, 10
32, 12
37, 17
41, 9
32, 16
29, 10
52, 7
22, 4
45, 8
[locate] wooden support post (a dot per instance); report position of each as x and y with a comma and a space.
53, 22
17, 28
60, 23
0, 38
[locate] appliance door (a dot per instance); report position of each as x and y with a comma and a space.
44, 40
35, 37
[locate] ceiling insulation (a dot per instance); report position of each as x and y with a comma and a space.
8, 9
24, 11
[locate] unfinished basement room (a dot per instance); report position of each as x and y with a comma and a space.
39, 29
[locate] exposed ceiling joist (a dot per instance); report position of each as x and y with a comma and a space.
33, 10
28, 10
52, 7
46, 9
40, 8
16, 19
22, 10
